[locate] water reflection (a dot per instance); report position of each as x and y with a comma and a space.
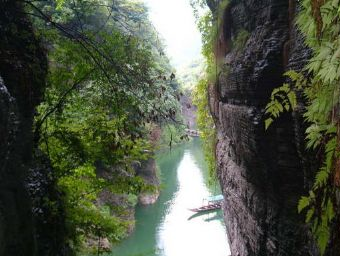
168, 228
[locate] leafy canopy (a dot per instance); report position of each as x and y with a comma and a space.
108, 79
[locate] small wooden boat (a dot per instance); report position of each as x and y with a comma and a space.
209, 207
214, 203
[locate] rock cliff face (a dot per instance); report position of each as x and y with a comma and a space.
24, 224
22, 67
189, 112
262, 174
47, 208
148, 172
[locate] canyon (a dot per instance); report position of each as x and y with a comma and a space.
263, 174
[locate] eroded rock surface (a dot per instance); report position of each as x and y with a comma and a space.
262, 174
26, 227
148, 172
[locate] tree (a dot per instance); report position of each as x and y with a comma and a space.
108, 78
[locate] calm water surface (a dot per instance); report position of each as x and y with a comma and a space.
168, 228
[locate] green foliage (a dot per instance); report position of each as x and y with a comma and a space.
84, 217
190, 74
209, 25
320, 24
208, 31
108, 79
60, 4
198, 6
303, 203
283, 98
222, 6
171, 135
205, 124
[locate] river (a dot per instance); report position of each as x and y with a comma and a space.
168, 228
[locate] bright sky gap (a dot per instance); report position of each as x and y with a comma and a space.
175, 22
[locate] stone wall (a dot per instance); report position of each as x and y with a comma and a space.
262, 173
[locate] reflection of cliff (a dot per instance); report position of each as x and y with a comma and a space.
262, 174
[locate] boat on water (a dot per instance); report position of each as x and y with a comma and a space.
212, 203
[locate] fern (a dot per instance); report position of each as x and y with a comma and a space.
303, 203
322, 233
320, 24
321, 178
282, 99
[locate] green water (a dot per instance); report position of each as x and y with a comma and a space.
168, 228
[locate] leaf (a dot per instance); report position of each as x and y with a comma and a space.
60, 4
320, 26
292, 99
331, 129
330, 210
322, 234
268, 122
292, 74
303, 203
321, 178
309, 215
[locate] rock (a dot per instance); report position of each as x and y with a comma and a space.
105, 245
262, 173
147, 170
148, 198
23, 68
188, 112
27, 226
47, 208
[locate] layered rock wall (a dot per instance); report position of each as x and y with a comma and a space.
262, 173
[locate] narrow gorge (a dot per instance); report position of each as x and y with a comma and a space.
91, 106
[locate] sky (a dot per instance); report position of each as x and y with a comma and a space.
175, 21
